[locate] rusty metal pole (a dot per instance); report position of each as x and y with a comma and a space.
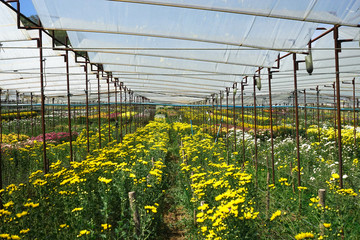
337, 46
213, 115
305, 111
221, 96
318, 111
108, 90
135, 106
137, 100
116, 112
87, 106
216, 111
46, 164
227, 118
255, 121
126, 120
297, 120
31, 115
17, 115
354, 114
68, 101
99, 110
74, 115
334, 87
144, 109
243, 123
234, 122
53, 113
121, 111
130, 110
1, 132
271, 128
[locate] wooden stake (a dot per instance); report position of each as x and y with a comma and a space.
135, 213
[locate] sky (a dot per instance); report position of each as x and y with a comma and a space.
26, 7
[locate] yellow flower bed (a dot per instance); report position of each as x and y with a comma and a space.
220, 191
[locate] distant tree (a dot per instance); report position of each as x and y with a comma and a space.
35, 19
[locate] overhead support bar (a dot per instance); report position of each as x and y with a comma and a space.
234, 11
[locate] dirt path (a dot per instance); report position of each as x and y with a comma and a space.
173, 214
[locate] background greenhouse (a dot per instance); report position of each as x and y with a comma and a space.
153, 119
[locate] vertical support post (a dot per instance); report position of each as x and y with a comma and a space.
143, 111
74, 115
8, 108
126, 106
305, 110
216, 111
116, 112
213, 115
227, 118
243, 123
337, 46
138, 114
221, 96
322, 196
108, 90
53, 113
121, 112
272, 128
334, 87
68, 101
31, 116
318, 111
130, 110
87, 106
99, 110
17, 115
46, 164
1, 131
354, 115
234, 122
255, 122
297, 120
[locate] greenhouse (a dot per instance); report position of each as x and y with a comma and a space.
179, 119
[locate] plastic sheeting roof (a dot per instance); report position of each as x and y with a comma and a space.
182, 51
